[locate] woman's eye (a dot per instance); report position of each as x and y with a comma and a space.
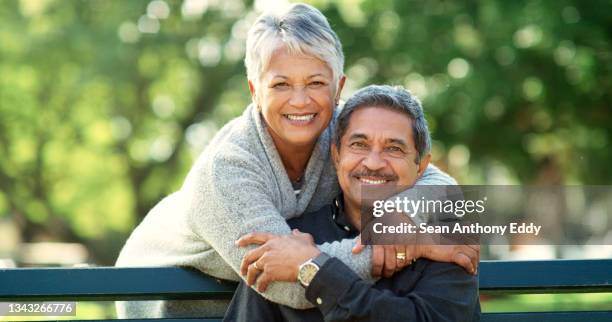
316, 84
280, 85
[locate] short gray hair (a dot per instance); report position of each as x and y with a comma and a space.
303, 30
396, 98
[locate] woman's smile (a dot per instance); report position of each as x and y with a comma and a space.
300, 119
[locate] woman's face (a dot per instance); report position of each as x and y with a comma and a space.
295, 97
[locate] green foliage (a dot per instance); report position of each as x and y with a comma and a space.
105, 104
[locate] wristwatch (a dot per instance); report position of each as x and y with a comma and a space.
310, 268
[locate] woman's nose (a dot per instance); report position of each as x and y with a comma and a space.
299, 97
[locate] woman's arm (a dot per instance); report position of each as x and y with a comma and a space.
230, 197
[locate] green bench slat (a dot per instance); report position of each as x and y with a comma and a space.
596, 316
151, 283
110, 283
546, 276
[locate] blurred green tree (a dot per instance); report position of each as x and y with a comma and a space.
105, 104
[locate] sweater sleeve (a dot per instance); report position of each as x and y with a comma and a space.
227, 198
434, 176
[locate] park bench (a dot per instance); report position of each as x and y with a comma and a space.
110, 284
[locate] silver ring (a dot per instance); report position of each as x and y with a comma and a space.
256, 267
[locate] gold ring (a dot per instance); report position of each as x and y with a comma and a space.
400, 256
256, 267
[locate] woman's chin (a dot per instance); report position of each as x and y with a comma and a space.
295, 140
302, 141
302, 136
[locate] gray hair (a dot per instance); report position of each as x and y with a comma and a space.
302, 29
392, 97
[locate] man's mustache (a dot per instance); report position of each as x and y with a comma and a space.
377, 174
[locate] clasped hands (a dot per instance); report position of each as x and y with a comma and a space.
278, 257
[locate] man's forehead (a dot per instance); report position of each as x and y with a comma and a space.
379, 122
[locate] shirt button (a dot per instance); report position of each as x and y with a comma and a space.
319, 301
347, 228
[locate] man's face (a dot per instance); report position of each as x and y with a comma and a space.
377, 149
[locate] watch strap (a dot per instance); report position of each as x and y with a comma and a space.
321, 259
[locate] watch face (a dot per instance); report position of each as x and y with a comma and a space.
307, 273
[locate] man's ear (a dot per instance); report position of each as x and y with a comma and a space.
335, 155
424, 163
340, 87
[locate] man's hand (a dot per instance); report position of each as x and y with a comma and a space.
385, 261
277, 259
466, 256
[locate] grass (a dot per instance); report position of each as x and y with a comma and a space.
547, 302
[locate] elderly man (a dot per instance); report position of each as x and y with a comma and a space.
381, 138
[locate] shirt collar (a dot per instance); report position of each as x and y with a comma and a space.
339, 216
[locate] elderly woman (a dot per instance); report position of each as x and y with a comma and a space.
268, 165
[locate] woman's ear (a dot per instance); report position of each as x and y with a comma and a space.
251, 88
339, 91
253, 91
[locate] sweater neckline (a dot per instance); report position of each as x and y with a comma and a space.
312, 173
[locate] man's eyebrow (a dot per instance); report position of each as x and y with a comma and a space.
397, 141
356, 136
280, 76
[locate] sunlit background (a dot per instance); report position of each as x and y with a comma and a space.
104, 105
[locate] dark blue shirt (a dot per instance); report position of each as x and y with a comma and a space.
423, 291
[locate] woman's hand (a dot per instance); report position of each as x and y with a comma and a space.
278, 258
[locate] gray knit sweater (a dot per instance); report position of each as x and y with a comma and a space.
237, 185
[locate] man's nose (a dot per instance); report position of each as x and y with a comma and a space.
299, 97
373, 161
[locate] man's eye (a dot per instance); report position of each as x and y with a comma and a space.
395, 149
280, 85
358, 145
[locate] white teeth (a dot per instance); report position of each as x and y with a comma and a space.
366, 181
302, 118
